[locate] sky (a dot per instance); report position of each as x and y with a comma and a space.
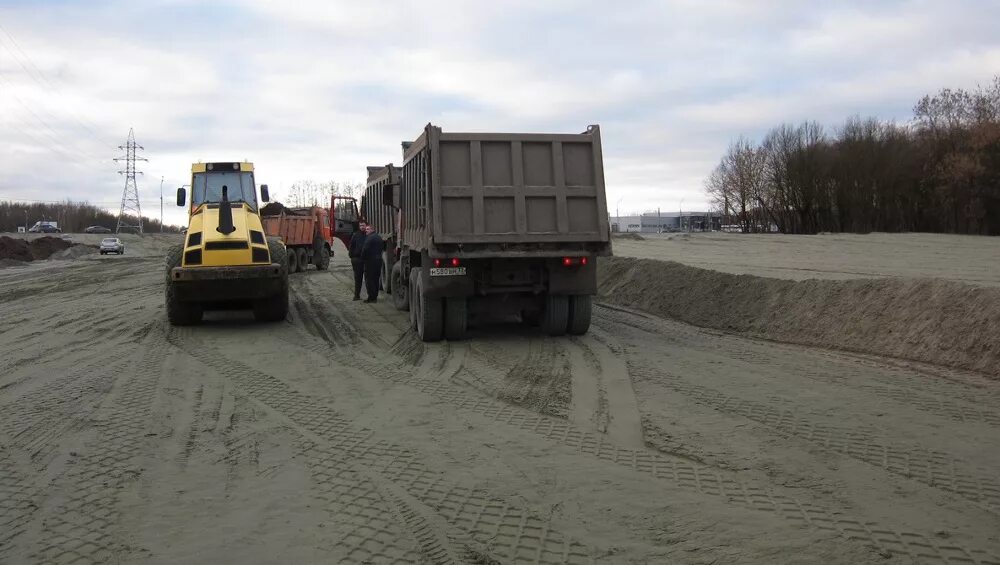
318, 90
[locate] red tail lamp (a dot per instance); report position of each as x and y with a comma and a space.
437, 262
571, 261
567, 261
455, 262
583, 260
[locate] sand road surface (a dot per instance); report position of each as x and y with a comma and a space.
336, 437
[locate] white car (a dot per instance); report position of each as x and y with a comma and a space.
112, 245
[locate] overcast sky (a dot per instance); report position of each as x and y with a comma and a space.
318, 90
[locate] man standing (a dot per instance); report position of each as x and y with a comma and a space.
371, 255
354, 252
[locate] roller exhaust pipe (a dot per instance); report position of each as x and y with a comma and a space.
226, 226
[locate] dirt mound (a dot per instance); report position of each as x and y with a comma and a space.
21, 251
628, 235
929, 320
44, 247
277, 208
16, 249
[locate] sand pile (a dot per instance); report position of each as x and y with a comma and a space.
929, 320
74, 252
628, 235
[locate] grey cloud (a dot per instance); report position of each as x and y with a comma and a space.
320, 89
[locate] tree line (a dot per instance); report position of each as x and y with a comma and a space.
312, 193
73, 217
938, 173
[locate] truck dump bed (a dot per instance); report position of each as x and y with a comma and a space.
373, 208
505, 188
293, 230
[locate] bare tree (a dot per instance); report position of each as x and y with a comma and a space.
940, 174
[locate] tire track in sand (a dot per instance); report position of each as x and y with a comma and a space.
617, 404
81, 526
510, 531
685, 472
927, 466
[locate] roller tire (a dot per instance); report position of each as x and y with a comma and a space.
400, 291
555, 319
456, 317
274, 308
179, 313
579, 314
430, 317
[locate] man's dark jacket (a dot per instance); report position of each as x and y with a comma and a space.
372, 248
356, 243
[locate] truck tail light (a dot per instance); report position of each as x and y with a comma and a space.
574, 261
567, 262
583, 260
454, 262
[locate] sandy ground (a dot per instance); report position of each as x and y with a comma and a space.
969, 259
336, 437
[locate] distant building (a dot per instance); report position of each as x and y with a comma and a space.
653, 222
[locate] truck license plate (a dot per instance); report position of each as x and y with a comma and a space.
447, 271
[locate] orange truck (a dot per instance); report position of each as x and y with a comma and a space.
308, 232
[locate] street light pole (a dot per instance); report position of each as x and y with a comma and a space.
161, 204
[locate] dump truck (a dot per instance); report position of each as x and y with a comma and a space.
226, 261
308, 232
488, 225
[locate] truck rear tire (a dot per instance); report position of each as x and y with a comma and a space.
430, 315
321, 255
556, 317
400, 291
412, 287
456, 317
387, 266
293, 261
274, 308
179, 313
579, 314
303, 258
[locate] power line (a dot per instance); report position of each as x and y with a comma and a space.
54, 134
38, 76
70, 200
53, 145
